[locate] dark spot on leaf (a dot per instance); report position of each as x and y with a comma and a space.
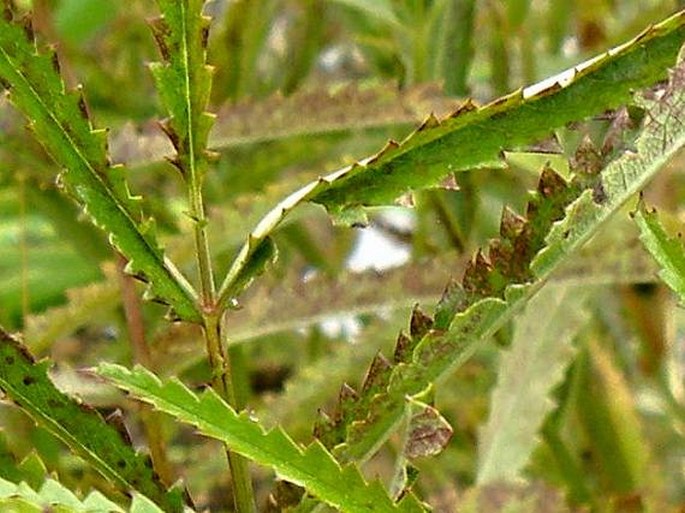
599, 194
645, 289
28, 380
9, 360
121, 464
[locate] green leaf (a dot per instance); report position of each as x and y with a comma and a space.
528, 372
53, 496
77, 425
60, 122
474, 137
184, 82
313, 467
667, 251
561, 218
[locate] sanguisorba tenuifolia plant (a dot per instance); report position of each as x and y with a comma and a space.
639, 87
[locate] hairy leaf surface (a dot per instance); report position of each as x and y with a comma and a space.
60, 122
313, 467
85, 432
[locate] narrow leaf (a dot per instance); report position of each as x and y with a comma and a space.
528, 371
473, 137
60, 122
312, 468
667, 251
184, 82
560, 219
80, 427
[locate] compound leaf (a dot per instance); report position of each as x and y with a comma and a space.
560, 218
474, 137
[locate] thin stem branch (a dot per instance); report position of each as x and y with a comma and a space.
141, 354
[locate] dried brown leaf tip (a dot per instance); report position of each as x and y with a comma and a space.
346, 398
511, 224
403, 348
420, 323
551, 183
587, 158
378, 375
161, 31
467, 106
477, 275
430, 122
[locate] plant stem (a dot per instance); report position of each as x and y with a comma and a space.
223, 384
141, 354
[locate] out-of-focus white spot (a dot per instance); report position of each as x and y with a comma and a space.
376, 251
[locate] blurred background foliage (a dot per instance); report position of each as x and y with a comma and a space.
306, 86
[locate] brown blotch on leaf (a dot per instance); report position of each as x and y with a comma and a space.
599, 195
511, 224
429, 434
551, 183
587, 158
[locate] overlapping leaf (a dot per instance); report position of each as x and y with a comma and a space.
85, 432
473, 137
313, 467
60, 122
560, 219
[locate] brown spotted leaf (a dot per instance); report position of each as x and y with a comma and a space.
79, 426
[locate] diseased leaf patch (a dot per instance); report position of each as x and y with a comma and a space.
560, 217
427, 345
79, 426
